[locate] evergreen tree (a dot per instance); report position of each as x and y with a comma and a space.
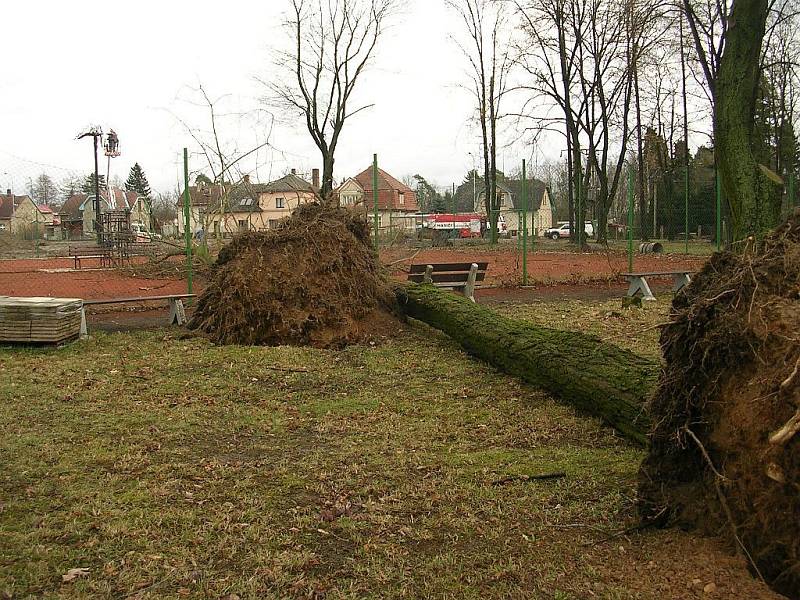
70, 185
137, 182
88, 184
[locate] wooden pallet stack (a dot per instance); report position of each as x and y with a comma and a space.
39, 319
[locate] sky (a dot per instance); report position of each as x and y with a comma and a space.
135, 67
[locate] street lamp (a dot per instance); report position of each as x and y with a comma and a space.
95, 133
111, 150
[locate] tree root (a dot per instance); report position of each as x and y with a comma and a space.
787, 432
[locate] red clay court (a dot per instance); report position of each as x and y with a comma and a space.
56, 276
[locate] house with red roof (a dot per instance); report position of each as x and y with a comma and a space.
20, 215
396, 201
77, 213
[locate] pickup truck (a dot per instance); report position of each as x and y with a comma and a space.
564, 231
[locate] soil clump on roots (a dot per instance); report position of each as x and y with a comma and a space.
314, 280
725, 448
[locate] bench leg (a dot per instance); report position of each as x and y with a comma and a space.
177, 314
84, 333
427, 278
680, 281
469, 289
639, 284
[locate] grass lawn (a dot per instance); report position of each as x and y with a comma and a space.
172, 468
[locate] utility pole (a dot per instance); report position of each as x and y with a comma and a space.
187, 220
95, 133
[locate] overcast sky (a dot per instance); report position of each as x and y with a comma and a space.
131, 66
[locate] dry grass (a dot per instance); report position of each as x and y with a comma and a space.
172, 468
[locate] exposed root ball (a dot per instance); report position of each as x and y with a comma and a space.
314, 280
730, 384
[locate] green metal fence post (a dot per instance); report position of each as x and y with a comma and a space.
579, 226
187, 228
630, 219
375, 217
719, 212
686, 205
524, 225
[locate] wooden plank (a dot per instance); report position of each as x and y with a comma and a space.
440, 267
137, 299
447, 277
657, 274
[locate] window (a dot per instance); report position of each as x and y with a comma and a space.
216, 227
280, 203
402, 199
247, 202
273, 223
242, 224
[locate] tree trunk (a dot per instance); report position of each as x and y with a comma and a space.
596, 377
326, 189
749, 193
643, 233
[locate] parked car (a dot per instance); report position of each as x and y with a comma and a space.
142, 234
564, 231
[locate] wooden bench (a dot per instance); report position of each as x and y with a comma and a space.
76, 253
177, 313
454, 276
638, 282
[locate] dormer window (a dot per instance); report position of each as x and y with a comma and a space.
402, 199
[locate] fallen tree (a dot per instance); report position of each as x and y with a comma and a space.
592, 375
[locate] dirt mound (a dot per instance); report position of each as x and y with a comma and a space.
314, 280
730, 383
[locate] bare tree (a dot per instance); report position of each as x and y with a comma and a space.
489, 61
221, 154
44, 190
332, 44
579, 56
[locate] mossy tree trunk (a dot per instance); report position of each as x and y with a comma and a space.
594, 376
753, 203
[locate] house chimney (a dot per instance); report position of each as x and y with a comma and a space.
294, 172
8, 191
315, 177
247, 179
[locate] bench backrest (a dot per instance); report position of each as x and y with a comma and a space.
447, 272
86, 250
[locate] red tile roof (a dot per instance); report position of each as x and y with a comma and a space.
389, 190
8, 203
72, 206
